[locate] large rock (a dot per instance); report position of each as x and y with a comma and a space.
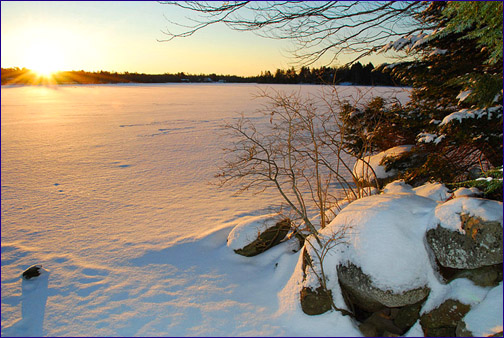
315, 302
479, 245
443, 320
360, 290
484, 276
407, 316
257, 235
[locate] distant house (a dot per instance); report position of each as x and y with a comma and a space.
207, 79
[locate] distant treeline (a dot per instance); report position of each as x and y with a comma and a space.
357, 74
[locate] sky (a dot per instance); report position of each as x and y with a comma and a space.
124, 37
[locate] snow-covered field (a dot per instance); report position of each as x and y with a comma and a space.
109, 188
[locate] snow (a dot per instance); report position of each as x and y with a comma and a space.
461, 289
429, 138
433, 190
464, 95
248, 229
35, 293
383, 229
485, 318
107, 187
362, 168
398, 187
461, 192
469, 113
448, 214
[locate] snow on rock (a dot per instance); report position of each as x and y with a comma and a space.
398, 187
435, 191
385, 239
335, 209
466, 233
257, 234
461, 289
448, 214
462, 192
367, 169
485, 319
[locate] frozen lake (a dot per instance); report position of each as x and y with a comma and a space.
109, 187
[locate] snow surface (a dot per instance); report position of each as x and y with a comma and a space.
107, 187
362, 169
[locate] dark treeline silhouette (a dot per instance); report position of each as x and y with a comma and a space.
357, 74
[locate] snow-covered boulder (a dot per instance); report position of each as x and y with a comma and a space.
433, 190
370, 169
470, 192
466, 233
257, 234
384, 261
398, 187
362, 292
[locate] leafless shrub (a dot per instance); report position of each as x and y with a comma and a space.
299, 152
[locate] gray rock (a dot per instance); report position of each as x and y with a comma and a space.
267, 239
361, 291
407, 316
484, 276
481, 245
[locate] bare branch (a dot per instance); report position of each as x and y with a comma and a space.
317, 28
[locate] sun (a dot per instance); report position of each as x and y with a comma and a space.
44, 58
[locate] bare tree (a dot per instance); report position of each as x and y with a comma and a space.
299, 152
318, 27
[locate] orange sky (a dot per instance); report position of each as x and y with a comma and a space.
122, 36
